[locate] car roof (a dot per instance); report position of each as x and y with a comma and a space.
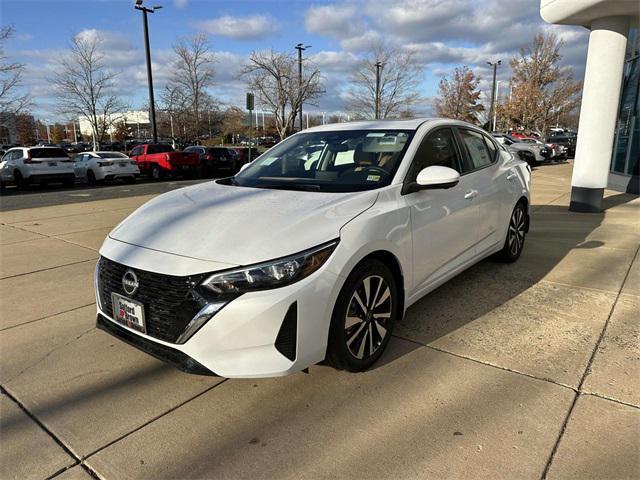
411, 124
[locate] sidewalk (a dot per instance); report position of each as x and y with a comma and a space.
519, 371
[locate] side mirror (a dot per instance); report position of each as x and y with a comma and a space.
434, 177
244, 167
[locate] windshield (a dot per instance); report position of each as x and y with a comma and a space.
340, 161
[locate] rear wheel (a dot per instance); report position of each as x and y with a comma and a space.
514, 243
363, 317
156, 173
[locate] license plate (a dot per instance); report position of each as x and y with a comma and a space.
122, 164
128, 312
52, 164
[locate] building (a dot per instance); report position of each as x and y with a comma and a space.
8, 128
137, 120
607, 152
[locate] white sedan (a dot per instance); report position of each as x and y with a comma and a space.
306, 256
98, 167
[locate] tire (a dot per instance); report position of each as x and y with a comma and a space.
91, 177
156, 173
516, 232
356, 337
21, 183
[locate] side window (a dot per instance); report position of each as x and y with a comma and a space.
136, 151
493, 150
438, 148
151, 149
479, 155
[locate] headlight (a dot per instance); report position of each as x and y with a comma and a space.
274, 274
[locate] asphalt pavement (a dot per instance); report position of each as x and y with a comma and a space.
44, 196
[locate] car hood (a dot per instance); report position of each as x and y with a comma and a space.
240, 225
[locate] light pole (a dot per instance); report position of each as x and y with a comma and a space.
495, 110
300, 47
493, 94
379, 66
138, 6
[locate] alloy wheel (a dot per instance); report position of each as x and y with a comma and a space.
516, 231
368, 316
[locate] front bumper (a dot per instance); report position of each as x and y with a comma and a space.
259, 334
167, 354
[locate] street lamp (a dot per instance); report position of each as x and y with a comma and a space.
300, 47
138, 6
493, 95
495, 110
379, 66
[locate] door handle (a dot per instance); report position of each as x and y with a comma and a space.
471, 194
511, 176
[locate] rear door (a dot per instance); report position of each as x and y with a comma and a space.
486, 179
443, 221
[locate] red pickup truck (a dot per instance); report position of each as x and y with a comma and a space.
158, 160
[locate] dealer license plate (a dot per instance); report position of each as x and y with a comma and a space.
128, 312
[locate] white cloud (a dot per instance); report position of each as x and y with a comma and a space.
180, 4
240, 28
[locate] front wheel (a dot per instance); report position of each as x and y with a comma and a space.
363, 317
156, 173
514, 243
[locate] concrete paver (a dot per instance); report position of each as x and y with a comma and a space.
91, 239
546, 330
601, 441
86, 386
34, 255
80, 222
9, 235
27, 451
425, 414
615, 372
632, 285
49, 292
74, 473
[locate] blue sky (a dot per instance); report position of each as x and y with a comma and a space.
443, 33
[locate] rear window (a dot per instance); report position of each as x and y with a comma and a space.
111, 155
48, 153
159, 149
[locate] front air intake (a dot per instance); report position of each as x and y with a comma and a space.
287, 338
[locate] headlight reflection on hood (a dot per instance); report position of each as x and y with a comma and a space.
273, 274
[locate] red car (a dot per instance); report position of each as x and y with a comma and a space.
158, 160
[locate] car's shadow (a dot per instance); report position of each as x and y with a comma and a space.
490, 284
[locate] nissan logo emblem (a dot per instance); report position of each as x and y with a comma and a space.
130, 282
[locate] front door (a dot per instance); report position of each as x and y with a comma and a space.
443, 221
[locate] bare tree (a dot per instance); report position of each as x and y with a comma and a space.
192, 75
458, 96
85, 87
11, 100
542, 90
400, 78
273, 76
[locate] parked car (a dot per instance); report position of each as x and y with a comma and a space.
286, 264
565, 140
549, 150
25, 165
100, 167
158, 160
214, 160
531, 153
243, 154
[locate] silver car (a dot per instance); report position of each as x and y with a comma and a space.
532, 153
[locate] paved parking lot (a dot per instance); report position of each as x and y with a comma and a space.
528, 370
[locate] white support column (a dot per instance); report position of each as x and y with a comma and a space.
598, 113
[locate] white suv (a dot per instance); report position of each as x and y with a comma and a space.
25, 165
